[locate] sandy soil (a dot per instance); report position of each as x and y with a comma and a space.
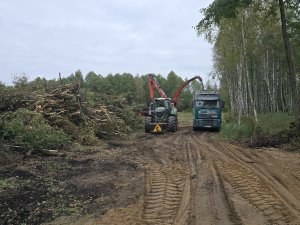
193, 178
182, 178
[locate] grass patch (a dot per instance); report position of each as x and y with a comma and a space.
233, 131
31, 131
8, 183
273, 123
185, 118
269, 124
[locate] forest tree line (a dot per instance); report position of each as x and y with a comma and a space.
134, 88
251, 56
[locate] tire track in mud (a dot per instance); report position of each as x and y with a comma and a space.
164, 190
254, 190
191, 178
285, 201
204, 199
211, 204
167, 198
252, 184
281, 172
217, 183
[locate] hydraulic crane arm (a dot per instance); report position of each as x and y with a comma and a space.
152, 81
178, 91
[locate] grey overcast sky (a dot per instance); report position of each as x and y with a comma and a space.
43, 38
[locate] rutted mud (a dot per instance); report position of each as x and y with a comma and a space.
196, 179
186, 178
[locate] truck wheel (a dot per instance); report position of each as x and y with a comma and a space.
147, 120
171, 124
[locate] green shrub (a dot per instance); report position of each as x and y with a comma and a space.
273, 123
80, 134
30, 130
227, 117
268, 124
129, 117
232, 131
249, 122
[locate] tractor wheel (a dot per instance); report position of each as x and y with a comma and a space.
147, 120
172, 124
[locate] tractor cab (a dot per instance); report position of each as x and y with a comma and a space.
161, 116
160, 108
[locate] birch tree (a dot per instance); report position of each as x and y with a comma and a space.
249, 55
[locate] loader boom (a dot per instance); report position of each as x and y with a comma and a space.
152, 81
178, 91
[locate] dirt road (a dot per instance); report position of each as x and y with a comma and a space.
193, 178
182, 178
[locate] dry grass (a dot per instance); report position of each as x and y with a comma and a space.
185, 119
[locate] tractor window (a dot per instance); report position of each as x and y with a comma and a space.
157, 104
151, 106
166, 104
160, 104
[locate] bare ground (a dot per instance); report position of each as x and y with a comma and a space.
185, 178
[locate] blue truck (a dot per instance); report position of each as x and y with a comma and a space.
207, 107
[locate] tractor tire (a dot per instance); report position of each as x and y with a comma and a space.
171, 127
147, 121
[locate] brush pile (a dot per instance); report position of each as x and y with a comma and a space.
65, 108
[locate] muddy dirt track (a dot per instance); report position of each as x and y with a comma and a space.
182, 178
195, 179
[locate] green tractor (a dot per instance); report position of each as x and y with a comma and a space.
162, 112
162, 116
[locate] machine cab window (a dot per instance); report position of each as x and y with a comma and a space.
160, 103
209, 104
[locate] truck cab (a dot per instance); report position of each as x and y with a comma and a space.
207, 107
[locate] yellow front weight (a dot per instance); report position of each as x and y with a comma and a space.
157, 128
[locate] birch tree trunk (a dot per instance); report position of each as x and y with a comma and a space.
291, 69
250, 91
